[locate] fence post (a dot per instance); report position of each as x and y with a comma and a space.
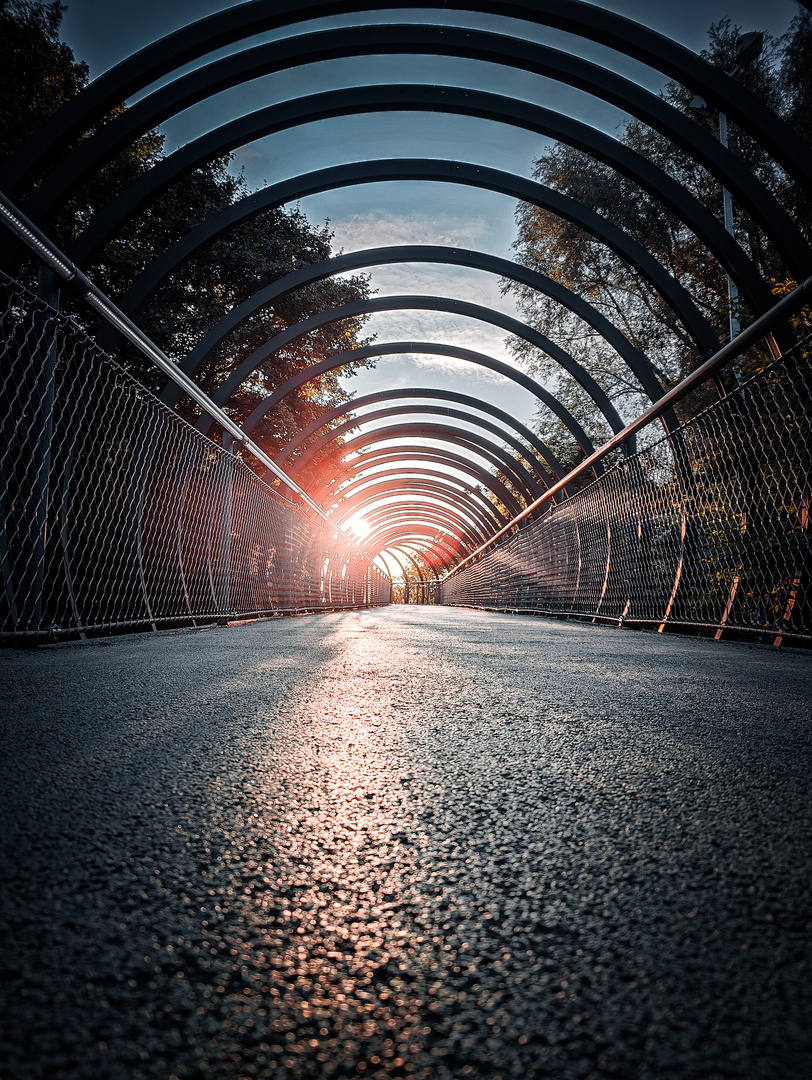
35, 522
223, 597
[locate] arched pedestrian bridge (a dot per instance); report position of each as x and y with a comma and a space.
435, 837
117, 516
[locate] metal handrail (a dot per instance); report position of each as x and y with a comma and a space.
51, 256
789, 305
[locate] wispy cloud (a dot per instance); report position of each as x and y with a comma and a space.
378, 229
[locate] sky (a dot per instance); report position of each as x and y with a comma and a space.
102, 34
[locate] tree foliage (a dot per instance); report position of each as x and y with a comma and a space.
782, 77
41, 74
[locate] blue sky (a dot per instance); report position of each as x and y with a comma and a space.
372, 215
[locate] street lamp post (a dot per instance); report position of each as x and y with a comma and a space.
748, 48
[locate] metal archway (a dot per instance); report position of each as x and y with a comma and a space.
357, 467
437, 171
411, 512
368, 351
420, 392
357, 470
105, 225
343, 42
473, 502
379, 491
389, 489
504, 268
397, 534
635, 41
390, 553
414, 547
429, 303
324, 440
470, 441
625, 36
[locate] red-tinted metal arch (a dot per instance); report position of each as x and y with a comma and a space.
426, 514
471, 441
358, 466
395, 487
451, 499
419, 392
407, 513
397, 534
464, 494
324, 440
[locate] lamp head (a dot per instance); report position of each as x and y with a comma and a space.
749, 47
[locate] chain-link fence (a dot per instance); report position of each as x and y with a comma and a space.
117, 514
706, 528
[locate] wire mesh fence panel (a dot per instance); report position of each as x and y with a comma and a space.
116, 513
707, 527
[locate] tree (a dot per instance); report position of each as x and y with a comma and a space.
545, 242
41, 74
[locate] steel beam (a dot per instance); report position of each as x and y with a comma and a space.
474, 502
301, 463
108, 222
374, 304
470, 441
357, 467
411, 488
419, 392
437, 171
97, 150
203, 352
49, 143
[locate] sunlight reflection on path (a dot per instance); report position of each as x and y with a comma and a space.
343, 954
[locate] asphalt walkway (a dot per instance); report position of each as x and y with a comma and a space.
411, 842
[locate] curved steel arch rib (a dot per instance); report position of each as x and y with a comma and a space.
50, 142
398, 533
444, 547
431, 410
439, 513
94, 152
419, 392
357, 467
468, 440
453, 485
452, 500
427, 514
454, 172
416, 548
429, 303
368, 351
639, 365
419, 548
409, 585
407, 514
106, 224
390, 554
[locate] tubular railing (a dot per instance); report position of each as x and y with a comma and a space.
118, 515
706, 528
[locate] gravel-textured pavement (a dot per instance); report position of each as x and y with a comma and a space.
411, 842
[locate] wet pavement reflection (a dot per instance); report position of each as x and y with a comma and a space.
405, 843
